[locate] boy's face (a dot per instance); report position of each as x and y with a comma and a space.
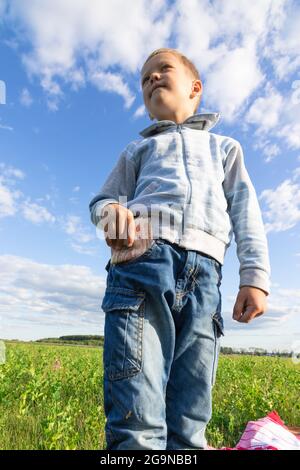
173, 99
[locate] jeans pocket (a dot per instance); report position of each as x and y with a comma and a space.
123, 332
219, 324
139, 256
218, 267
217, 346
218, 327
108, 265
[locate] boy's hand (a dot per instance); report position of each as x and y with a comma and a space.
120, 223
250, 303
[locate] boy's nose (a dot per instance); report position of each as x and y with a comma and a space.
154, 76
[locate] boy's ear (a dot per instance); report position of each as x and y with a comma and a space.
197, 87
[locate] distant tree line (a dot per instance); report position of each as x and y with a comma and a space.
98, 340
255, 352
91, 340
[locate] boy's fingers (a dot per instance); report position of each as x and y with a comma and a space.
122, 221
259, 314
238, 310
110, 226
108, 240
131, 229
122, 233
249, 314
119, 241
106, 235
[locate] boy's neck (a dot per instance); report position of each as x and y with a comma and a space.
178, 117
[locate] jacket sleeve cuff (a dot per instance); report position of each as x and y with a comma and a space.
255, 278
97, 211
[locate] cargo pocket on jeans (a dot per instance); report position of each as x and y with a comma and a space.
123, 332
219, 324
218, 327
216, 356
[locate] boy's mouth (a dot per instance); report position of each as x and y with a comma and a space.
155, 88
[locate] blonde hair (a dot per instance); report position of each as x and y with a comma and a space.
185, 61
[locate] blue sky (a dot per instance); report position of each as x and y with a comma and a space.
73, 101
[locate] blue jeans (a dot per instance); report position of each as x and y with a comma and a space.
162, 333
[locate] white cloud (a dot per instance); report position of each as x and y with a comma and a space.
52, 104
232, 79
233, 46
275, 330
9, 196
283, 204
113, 83
2, 92
296, 174
6, 128
235, 18
48, 295
72, 225
276, 316
265, 110
74, 200
42, 199
271, 151
8, 200
225, 40
195, 27
14, 202
291, 134
12, 43
83, 250
284, 42
36, 213
140, 111
63, 298
109, 33
277, 116
268, 148
8, 172
25, 98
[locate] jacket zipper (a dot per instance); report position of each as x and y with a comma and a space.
179, 128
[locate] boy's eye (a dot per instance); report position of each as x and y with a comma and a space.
146, 78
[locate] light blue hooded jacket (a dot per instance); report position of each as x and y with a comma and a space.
194, 186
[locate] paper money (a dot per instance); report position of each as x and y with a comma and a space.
143, 241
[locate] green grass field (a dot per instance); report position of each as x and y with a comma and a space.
51, 396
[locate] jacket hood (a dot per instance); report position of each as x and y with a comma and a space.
201, 121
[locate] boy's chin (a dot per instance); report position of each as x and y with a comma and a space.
167, 115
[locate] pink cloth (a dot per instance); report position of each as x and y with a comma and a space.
268, 433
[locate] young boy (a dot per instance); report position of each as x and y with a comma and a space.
168, 210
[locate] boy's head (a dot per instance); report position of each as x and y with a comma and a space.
179, 86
